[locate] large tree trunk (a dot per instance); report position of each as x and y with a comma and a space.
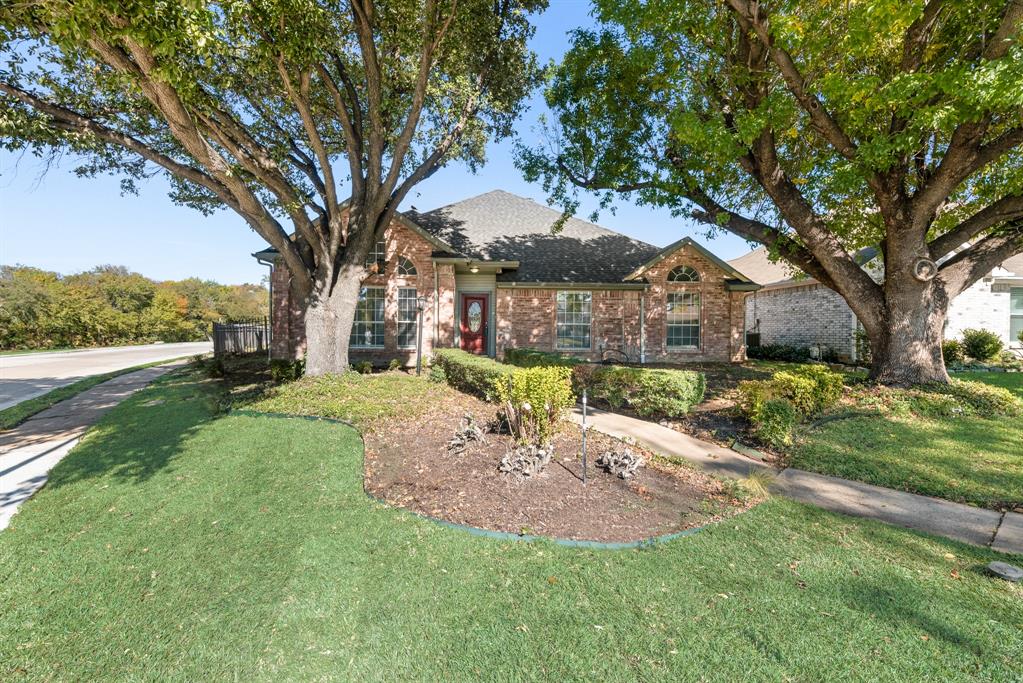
906, 345
328, 323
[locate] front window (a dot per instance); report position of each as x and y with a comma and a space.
377, 256
368, 330
1015, 314
573, 320
683, 320
407, 318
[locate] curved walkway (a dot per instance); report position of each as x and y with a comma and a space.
29, 451
999, 531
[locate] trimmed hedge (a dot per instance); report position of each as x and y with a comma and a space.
531, 358
470, 373
651, 392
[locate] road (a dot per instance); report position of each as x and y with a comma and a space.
32, 374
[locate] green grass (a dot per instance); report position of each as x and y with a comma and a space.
19, 412
353, 397
1013, 381
173, 544
966, 459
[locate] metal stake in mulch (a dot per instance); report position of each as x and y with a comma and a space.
584, 437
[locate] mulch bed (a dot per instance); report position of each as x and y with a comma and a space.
408, 464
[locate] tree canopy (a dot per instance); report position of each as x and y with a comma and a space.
814, 128
312, 119
111, 305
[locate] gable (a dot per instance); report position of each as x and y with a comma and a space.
733, 278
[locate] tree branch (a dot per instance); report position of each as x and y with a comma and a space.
969, 265
1005, 209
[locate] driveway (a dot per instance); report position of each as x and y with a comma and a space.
32, 374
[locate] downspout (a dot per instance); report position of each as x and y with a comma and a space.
642, 328
436, 308
270, 307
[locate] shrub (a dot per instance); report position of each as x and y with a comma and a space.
395, 364
651, 392
981, 345
1020, 336
1010, 361
774, 406
363, 367
534, 399
531, 358
470, 373
775, 422
779, 352
952, 351
981, 399
437, 374
285, 370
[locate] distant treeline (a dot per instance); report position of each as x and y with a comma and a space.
110, 305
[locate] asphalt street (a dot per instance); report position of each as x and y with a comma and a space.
29, 375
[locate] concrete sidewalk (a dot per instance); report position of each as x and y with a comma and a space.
30, 450
977, 526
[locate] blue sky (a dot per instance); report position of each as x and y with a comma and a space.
57, 221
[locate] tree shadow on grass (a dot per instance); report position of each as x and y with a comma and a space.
167, 413
962, 459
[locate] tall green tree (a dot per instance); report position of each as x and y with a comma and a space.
312, 119
814, 128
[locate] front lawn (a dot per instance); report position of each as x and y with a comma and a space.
963, 458
178, 543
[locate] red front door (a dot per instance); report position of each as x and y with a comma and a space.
474, 323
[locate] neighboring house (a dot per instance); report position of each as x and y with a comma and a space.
492, 276
796, 310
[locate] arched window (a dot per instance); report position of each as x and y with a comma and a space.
405, 267
683, 274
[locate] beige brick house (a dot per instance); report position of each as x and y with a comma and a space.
489, 275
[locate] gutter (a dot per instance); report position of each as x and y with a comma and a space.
573, 285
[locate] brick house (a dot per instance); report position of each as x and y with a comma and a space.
796, 310
490, 275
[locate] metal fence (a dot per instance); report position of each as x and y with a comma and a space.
241, 336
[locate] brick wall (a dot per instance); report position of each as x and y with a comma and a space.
721, 318
527, 317
984, 305
289, 332
803, 316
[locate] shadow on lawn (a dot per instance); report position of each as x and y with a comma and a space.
168, 413
964, 459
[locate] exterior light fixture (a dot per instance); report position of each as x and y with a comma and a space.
473, 268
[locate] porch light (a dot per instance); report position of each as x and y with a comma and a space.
473, 268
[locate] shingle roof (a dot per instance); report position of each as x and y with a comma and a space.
1014, 265
500, 226
758, 267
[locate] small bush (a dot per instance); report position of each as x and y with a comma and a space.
953, 351
982, 345
531, 358
285, 370
534, 399
651, 392
470, 373
775, 422
979, 398
395, 364
437, 374
784, 352
774, 406
363, 367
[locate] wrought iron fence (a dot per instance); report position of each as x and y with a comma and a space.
241, 336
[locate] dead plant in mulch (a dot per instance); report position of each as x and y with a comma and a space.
622, 464
469, 431
526, 460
